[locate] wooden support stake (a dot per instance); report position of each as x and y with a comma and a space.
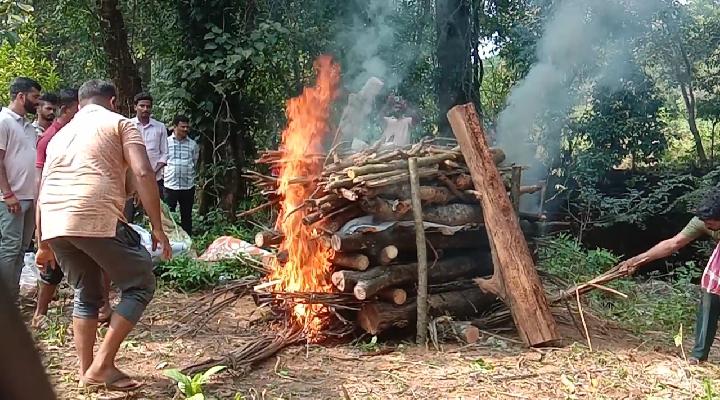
422, 305
515, 279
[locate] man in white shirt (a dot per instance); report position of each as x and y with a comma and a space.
155, 135
180, 171
17, 180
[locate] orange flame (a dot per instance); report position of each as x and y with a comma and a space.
308, 265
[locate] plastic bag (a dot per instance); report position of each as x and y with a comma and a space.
29, 276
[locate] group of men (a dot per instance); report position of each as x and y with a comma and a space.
68, 177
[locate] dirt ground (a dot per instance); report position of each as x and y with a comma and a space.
620, 366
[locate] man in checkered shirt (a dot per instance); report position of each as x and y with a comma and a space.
706, 223
179, 173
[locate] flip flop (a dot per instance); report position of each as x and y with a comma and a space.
111, 384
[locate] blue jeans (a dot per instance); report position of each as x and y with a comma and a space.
16, 232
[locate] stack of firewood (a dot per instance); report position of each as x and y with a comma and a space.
377, 262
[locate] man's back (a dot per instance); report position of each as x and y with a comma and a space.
83, 188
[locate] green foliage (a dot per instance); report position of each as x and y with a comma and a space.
189, 275
642, 200
214, 224
191, 387
26, 57
566, 258
651, 305
621, 122
13, 15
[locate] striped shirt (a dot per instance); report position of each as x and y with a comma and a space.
182, 158
710, 281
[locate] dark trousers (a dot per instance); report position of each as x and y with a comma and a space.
131, 209
186, 198
706, 325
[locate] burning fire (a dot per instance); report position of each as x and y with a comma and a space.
308, 264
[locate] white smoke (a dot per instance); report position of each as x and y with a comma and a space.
583, 42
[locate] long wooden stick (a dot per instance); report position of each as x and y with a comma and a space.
422, 304
258, 208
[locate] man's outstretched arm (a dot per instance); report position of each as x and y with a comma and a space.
659, 251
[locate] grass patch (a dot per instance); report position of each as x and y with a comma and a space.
657, 303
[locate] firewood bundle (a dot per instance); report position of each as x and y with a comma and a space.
377, 264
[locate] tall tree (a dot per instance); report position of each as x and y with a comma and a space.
121, 65
454, 48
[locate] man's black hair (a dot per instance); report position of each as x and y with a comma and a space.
142, 96
51, 98
180, 118
709, 207
68, 97
97, 88
23, 85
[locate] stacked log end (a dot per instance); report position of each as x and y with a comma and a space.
378, 265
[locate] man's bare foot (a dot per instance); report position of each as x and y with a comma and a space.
40, 321
110, 378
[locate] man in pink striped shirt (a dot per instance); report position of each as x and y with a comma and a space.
705, 223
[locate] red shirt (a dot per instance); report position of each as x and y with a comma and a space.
43, 142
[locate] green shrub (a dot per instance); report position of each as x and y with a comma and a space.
189, 275
652, 304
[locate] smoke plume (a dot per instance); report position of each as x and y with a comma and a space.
584, 42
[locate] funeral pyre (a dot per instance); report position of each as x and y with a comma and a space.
344, 239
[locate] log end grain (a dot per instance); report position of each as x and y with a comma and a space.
388, 254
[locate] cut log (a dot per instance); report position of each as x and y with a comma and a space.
268, 238
387, 210
282, 257
373, 281
456, 214
428, 194
465, 331
388, 254
403, 239
358, 262
393, 295
516, 281
396, 166
400, 177
376, 318
464, 182
345, 280
336, 220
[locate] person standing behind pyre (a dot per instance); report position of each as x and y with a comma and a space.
397, 118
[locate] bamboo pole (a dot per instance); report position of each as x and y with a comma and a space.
422, 304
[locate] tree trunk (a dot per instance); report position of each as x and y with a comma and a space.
120, 64
453, 56
689, 100
376, 318
515, 280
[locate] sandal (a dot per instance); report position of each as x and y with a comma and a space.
112, 383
